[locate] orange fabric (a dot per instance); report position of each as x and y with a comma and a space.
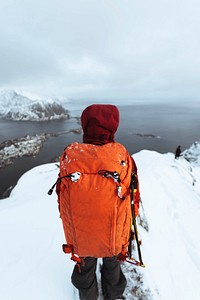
95, 219
136, 201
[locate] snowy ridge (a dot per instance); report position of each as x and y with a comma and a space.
34, 267
20, 108
193, 154
170, 191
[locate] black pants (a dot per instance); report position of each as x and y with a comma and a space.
112, 279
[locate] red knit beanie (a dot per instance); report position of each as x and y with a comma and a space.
99, 123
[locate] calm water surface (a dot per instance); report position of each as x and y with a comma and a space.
174, 124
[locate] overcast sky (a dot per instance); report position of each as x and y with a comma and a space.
101, 49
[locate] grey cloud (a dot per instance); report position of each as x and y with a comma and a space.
76, 48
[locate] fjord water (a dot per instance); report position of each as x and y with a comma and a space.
156, 126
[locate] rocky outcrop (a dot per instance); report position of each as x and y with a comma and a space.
25, 146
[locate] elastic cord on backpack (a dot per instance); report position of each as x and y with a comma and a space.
59, 179
114, 175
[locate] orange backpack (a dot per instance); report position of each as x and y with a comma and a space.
94, 199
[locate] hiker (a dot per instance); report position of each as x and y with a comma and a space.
178, 152
91, 209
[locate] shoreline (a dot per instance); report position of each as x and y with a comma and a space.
141, 127
26, 146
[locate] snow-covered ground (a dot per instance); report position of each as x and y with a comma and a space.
17, 107
33, 266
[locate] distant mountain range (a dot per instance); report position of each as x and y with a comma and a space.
14, 106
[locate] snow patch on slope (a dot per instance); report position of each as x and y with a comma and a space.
170, 192
193, 154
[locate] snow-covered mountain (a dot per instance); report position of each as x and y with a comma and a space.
33, 265
18, 107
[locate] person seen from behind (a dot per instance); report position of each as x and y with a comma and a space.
95, 227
